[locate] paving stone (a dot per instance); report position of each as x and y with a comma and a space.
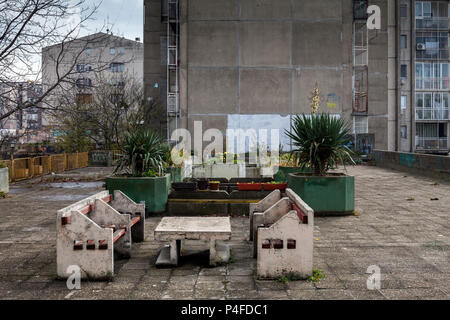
413, 257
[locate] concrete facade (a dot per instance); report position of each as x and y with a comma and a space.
242, 62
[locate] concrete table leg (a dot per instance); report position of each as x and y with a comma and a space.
212, 253
175, 251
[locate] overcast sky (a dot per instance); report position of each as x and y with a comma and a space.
125, 17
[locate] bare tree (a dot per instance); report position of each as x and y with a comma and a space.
117, 106
28, 26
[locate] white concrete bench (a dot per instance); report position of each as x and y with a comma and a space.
90, 231
283, 238
262, 206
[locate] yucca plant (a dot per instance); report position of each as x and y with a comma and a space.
321, 142
142, 151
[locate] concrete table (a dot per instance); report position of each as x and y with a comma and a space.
176, 229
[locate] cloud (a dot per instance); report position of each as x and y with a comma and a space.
123, 17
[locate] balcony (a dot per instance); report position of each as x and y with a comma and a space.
432, 144
433, 54
425, 114
432, 23
432, 83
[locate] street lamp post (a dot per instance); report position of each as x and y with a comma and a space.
13, 146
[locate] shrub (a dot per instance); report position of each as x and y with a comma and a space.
143, 154
321, 142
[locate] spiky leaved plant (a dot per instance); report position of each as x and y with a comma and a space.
142, 150
321, 142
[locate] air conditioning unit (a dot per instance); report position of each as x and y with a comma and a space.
421, 47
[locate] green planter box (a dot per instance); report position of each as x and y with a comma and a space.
176, 174
331, 195
154, 191
283, 173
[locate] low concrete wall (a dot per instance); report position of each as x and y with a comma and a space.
204, 203
4, 180
424, 164
224, 170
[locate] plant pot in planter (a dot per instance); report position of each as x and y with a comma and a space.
214, 186
154, 191
184, 186
176, 174
333, 194
202, 185
249, 186
275, 186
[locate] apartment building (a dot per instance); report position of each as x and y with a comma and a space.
90, 59
424, 75
254, 63
25, 124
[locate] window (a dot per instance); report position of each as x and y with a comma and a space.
84, 98
83, 67
116, 67
112, 51
423, 9
432, 15
360, 125
432, 45
403, 41
84, 83
403, 71
117, 82
403, 102
404, 132
432, 106
88, 51
432, 76
359, 9
32, 117
116, 98
80, 67
403, 11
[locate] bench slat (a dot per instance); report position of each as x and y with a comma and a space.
118, 234
301, 215
89, 208
134, 221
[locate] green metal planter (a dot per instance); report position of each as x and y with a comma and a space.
154, 191
330, 195
283, 173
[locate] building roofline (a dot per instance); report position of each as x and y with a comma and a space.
96, 37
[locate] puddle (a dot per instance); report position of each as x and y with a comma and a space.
34, 229
75, 185
13, 190
63, 197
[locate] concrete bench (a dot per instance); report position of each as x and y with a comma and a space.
283, 238
262, 206
90, 231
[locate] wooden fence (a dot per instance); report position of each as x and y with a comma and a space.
27, 168
104, 158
